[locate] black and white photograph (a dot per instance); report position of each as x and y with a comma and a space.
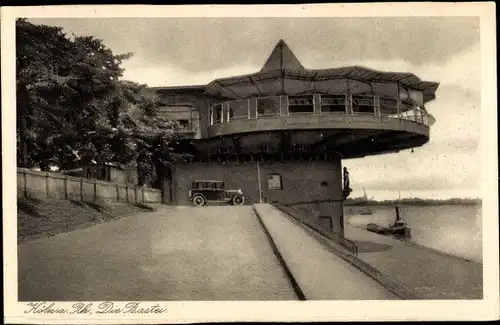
274, 157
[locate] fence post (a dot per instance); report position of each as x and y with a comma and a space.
126, 189
25, 184
65, 187
47, 184
117, 193
143, 200
135, 193
81, 189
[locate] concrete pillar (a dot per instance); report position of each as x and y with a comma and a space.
376, 106
317, 104
348, 104
285, 106
252, 108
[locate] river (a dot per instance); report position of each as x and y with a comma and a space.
454, 229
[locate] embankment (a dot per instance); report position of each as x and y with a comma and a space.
45, 218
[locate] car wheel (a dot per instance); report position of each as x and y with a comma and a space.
238, 199
199, 201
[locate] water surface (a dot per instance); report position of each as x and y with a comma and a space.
453, 229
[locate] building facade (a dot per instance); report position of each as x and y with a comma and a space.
281, 134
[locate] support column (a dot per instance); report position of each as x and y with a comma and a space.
376, 106
317, 104
252, 108
286, 112
222, 112
348, 104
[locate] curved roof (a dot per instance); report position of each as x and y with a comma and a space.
283, 65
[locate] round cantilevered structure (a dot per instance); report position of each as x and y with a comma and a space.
280, 134
354, 111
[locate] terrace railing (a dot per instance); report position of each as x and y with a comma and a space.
340, 104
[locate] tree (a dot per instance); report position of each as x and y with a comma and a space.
64, 88
74, 109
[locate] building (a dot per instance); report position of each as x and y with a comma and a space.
108, 172
281, 134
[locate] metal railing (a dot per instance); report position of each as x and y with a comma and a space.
309, 220
282, 106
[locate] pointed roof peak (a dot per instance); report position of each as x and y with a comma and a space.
282, 57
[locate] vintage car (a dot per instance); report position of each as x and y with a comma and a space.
203, 191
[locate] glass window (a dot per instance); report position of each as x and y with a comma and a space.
362, 104
333, 103
238, 109
268, 106
183, 123
388, 106
217, 113
300, 104
274, 182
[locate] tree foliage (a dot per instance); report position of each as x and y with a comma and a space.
73, 108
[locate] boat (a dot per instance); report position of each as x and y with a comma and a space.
398, 227
366, 211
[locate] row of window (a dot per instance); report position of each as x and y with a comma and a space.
298, 147
270, 106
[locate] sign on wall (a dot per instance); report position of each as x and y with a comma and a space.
274, 182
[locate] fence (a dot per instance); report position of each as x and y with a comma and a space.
47, 185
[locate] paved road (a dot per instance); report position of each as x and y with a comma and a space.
176, 253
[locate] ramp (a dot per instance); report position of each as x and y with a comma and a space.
175, 253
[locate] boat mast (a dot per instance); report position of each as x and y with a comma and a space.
398, 206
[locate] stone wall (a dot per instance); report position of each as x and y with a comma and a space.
47, 185
314, 187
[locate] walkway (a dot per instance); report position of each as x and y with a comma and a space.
320, 274
175, 253
433, 275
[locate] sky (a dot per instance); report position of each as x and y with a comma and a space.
194, 51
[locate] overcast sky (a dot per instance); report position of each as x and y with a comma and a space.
172, 51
